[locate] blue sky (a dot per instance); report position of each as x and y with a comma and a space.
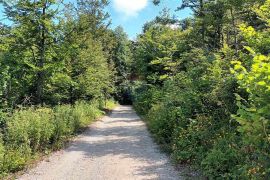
133, 18
133, 14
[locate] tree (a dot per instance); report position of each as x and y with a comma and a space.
252, 73
122, 61
217, 20
88, 47
158, 52
34, 45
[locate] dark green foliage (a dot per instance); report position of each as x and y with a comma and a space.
51, 57
223, 160
54, 58
144, 96
122, 58
192, 110
202, 109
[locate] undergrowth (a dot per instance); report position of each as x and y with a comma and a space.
29, 132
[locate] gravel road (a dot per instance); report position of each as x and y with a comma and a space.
118, 147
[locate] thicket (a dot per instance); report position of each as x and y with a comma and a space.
204, 89
60, 64
30, 132
54, 53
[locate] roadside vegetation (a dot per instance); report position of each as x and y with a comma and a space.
59, 71
204, 86
31, 132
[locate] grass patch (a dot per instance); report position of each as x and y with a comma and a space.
30, 132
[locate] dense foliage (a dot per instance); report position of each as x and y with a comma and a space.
60, 64
204, 86
32, 131
54, 53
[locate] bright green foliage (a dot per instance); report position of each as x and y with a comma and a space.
2, 153
68, 120
32, 131
51, 57
191, 107
94, 78
191, 111
254, 112
158, 53
32, 46
52, 54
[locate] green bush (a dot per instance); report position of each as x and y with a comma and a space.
27, 132
64, 124
85, 113
190, 144
192, 110
2, 153
68, 119
32, 131
144, 97
109, 104
30, 128
15, 158
161, 122
253, 75
223, 160
254, 115
210, 115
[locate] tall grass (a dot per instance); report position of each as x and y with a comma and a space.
33, 131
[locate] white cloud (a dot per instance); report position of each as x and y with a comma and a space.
129, 7
173, 26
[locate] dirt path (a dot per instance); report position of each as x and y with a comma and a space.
116, 148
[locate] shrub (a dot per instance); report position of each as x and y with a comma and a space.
15, 158
144, 97
253, 75
161, 122
32, 131
192, 110
85, 113
64, 124
30, 128
70, 119
2, 153
27, 132
190, 144
224, 159
110, 104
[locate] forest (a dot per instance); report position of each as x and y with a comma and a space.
202, 84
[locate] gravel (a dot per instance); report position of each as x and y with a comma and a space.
118, 147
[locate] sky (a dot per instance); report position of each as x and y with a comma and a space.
133, 14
